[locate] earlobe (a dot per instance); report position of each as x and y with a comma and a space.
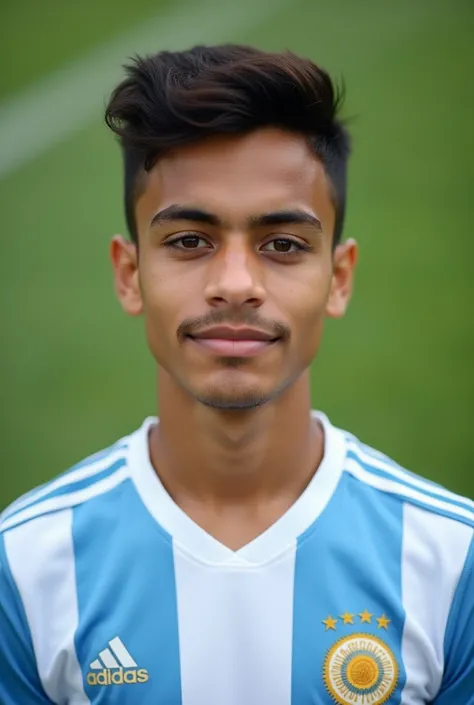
124, 258
344, 262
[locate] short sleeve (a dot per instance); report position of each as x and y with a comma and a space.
19, 680
457, 687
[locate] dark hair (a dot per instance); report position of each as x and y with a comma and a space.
176, 98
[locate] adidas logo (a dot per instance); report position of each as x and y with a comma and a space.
115, 666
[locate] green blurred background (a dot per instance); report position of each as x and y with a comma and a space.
398, 371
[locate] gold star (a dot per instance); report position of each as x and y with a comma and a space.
383, 622
347, 618
330, 623
365, 616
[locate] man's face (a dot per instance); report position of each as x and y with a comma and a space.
235, 232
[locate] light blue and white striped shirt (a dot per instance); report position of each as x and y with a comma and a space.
361, 594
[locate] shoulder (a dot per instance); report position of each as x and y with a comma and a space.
435, 526
96, 475
377, 470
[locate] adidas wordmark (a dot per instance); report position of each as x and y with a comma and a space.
115, 666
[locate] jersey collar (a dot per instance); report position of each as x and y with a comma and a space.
276, 540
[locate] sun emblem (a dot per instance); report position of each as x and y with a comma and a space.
360, 669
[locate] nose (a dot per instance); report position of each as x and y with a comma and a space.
235, 277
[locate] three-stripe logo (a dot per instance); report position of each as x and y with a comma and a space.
115, 666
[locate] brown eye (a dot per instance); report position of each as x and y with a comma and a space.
285, 246
187, 242
282, 245
190, 242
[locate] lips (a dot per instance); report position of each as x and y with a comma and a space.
229, 333
234, 342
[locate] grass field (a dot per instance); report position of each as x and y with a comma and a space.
398, 371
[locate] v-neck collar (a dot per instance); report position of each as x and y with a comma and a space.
273, 541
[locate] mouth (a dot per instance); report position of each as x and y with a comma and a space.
226, 347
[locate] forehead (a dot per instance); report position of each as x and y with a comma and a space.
240, 176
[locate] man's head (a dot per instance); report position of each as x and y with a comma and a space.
235, 183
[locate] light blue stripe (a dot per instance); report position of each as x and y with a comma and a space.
97, 456
387, 475
14, 507
9, 509
348, 561
126, 588
72, 487
377, 455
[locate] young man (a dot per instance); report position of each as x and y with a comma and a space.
240, 549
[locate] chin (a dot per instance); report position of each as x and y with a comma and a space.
234, 396
226, 402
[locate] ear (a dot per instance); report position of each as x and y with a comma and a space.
344, 262
124, 257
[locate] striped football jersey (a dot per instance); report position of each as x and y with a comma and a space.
362, 593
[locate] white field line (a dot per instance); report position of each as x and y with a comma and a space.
63, 102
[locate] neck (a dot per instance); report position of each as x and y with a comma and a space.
227, 457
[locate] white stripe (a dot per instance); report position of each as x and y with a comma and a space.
397, 488
67, 500
44, 572
89, 470
121, 653
256, 608
434, 551
97, 665
108, 659
377, 460
72, 97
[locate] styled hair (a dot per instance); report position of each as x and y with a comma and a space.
177, 98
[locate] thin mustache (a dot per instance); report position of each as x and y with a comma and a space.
193, 326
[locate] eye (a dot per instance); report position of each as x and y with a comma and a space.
189, 241
285, 246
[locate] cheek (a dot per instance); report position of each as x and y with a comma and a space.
162, 288
304, 303
310, 322
305, 297
169, 296
162, 301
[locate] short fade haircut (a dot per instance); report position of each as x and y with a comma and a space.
178, 98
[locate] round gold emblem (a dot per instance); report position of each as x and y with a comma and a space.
360, 669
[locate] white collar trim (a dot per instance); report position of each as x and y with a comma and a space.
272, 542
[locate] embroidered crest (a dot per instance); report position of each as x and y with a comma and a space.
360, 669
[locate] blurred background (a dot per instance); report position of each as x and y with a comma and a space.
397, 371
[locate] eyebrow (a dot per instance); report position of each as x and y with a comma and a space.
294, 216
177, 212
286, 217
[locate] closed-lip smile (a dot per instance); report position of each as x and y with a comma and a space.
230, 333
227, 341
